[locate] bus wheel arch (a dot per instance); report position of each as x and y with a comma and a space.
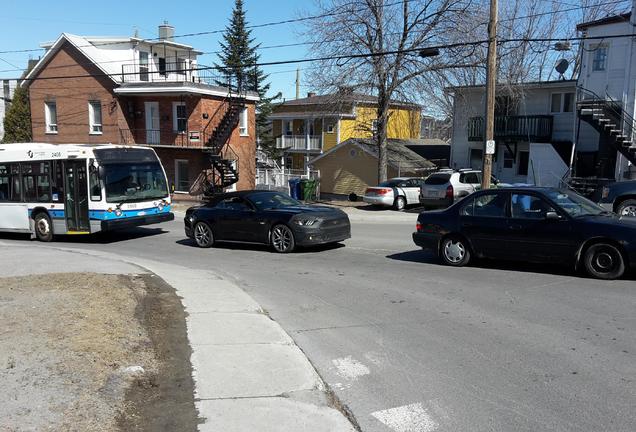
42, 224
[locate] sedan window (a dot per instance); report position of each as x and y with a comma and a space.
233, 203
487, 205
529, 207
272, 200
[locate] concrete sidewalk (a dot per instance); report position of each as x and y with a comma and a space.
249, 375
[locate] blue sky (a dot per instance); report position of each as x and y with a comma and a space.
43, 20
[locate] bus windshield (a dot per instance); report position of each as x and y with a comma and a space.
134, 181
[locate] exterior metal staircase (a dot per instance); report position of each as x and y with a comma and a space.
223, 158
609, 119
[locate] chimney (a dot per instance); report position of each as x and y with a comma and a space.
166, 32
311, 94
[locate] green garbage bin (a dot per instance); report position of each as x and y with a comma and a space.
309, 190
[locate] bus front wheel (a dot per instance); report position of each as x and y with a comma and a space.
43, 227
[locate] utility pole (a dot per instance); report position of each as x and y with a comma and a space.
298, 83
491, 83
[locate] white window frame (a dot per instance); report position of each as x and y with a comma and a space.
175, 119
562, 102
595, 50
50, 127
95, 128
243, 123
331, 128
560, 107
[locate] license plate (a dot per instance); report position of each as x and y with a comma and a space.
431, 193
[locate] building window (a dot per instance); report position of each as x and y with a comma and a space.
143, 66
95, 117
179, 117
162, 66
50, 117
181, 176
599, 60
509, 159
555, 105
476, 156
374, 126
243, 123
330, 128
568, 102
524, 161
289, 127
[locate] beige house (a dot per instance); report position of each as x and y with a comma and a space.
352, 166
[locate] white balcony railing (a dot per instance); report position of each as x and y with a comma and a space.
299, 142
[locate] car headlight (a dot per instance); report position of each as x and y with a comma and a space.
306, 222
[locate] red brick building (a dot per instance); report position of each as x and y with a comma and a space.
134, 91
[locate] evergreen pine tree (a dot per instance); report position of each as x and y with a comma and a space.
17, 119
238, 60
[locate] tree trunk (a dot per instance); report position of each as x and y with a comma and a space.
381, 134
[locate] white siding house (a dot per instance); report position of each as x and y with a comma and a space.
608, 75
534, 130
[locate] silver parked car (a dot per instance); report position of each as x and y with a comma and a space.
397, 192
443, 188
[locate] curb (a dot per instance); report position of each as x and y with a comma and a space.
242, 360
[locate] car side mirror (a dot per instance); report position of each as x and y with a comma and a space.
551, 215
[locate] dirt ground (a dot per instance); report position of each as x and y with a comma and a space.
90, 352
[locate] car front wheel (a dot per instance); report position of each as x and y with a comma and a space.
400, 203
203, 235
455, 252
282, 239
604, 261
627, 208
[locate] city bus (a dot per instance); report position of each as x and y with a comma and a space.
50, 189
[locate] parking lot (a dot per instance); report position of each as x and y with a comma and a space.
391, 331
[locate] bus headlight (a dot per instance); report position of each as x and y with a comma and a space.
118, 212
160, 206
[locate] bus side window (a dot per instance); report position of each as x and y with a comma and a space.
57, 182
4, 183
95, 186
14, 183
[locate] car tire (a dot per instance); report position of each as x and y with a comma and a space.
203, 235
400, 203
627, 208
604, 261
43, 227
282, 239
455, 251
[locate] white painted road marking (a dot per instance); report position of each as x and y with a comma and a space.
407, 418
350, 368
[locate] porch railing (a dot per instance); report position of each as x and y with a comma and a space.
534, 128
299, 142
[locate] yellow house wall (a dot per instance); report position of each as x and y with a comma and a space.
403, 124
344, 173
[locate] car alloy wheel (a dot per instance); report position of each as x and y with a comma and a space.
282, 239
455, 252
628, 208
43, 230
604, 261
400, 203
203, 235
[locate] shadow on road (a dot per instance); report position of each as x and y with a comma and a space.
426, 257
262, 248
98, 238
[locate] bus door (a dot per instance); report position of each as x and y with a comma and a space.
76, 196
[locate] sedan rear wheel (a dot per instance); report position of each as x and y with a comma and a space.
282, 239
604, 261
627, 208
455, 252
400, 203
203, 235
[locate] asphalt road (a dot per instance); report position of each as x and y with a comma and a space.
410, 345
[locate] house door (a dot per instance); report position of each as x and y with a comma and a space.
76, 196
152, 123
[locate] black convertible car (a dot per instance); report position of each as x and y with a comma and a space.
265, 217
531, 224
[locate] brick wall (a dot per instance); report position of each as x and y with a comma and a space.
71, 96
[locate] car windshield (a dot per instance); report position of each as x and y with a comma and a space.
575, 205
437, 179
130, 182
390, 183
269, 200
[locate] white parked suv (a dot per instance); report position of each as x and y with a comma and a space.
443, 188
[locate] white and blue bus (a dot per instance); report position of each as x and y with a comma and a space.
49, 189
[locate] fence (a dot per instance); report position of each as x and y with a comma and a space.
278, 179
